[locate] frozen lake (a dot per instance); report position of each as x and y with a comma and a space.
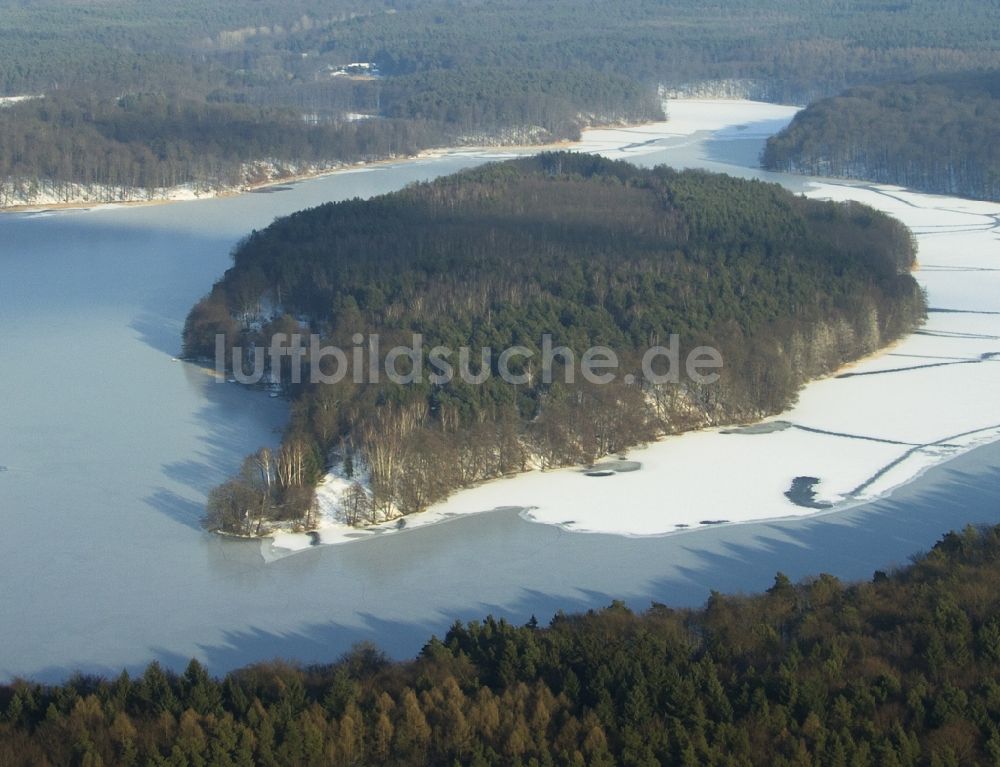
108, 446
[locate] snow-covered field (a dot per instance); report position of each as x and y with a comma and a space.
850, 438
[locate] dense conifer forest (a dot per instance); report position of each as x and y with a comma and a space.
937, 134
123, 147
902, 670
588, 251
467, 71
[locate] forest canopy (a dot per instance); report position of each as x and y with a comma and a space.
455, 72
587, 251
898, 671
150, 143
936, 134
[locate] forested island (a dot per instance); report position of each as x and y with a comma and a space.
587, 251
898, 671
936, 134
131, 99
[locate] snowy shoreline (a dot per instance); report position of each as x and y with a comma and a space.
875, 425
90, 196
275, 175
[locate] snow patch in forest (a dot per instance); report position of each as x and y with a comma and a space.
6, 101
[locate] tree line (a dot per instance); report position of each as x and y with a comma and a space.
795, 54
239, 46
937, 134
587, 251
898, 671
146, 143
